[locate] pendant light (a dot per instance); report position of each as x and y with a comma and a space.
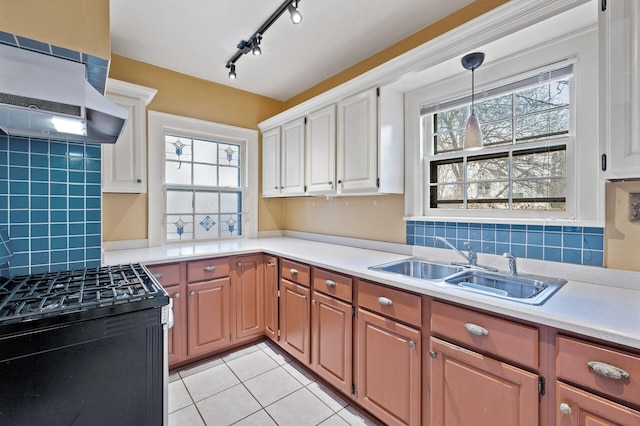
472, 133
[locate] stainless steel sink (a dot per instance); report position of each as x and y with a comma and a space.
418, 268
529, 289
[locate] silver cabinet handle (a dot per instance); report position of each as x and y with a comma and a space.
385, 301
565, 408
176, 296
239, 264
330, 283
193, 293
209, 268
412, 344
476, 330
607, 370
293, 271
313, 302
157, 276
433, 354
304, 297
271, 264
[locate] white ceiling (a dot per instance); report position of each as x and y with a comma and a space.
198, 37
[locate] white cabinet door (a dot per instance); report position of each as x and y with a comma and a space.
357, 143
124, 164
292, 170
321, 151
619, 31
271, 163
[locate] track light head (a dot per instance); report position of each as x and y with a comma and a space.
296, 16
255, 42
232, 71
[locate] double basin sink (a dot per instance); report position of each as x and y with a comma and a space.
533, 290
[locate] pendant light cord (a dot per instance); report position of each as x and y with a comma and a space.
473, 90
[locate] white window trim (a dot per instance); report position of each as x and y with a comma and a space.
586, 191
161, 124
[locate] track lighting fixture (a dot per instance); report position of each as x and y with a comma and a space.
253, 45
473, 133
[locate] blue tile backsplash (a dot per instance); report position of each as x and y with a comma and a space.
568, 244
50, 190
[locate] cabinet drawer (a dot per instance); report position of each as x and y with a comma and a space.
573, 364
333, 284
200, 270
393, 303
485, 333
295, 272
166, 275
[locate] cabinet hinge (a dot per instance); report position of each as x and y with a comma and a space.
354, 392
278, 333
305, 120
603, 162
353, 311
541, 386
278, 293
603, 5
377, 91
305, 188
378, 182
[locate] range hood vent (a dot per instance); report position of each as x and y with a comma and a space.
47, 97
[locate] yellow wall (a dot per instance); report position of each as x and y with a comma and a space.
622, 244
125, 215
80, 25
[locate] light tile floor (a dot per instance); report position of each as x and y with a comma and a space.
256, 385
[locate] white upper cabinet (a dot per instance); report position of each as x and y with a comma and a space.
124, 164
619, 48
271, 163
320, 155
292, 157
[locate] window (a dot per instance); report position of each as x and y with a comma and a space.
202, 180
526, 127
203, 188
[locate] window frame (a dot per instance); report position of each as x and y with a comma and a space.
161, 124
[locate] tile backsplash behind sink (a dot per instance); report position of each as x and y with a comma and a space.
567, 244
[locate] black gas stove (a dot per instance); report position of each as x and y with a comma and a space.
75, 344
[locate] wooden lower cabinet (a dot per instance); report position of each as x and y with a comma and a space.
332, 334
470, 389
389, 369
248, 294
295, 315
208, 316
271, 297
176, 333
576, 407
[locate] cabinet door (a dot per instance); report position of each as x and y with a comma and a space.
321, 151
357, 160
619, 27
176, 333
271, 297
470, 389
208, 316
331, 330
389, 369
124, 164
249, 296
578, 408
295, 324
292, 171
271, 163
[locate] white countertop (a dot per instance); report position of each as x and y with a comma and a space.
610, 313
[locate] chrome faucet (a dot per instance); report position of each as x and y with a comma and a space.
513, 269
472, 256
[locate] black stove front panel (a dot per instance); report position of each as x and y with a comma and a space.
32, 297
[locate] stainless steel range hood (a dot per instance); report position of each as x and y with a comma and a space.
47, 97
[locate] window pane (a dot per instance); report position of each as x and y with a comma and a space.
205, 151
487, 205
230, 176
542, 125
229, 154
452, 172
453, 119
449, 192
539, 188
488, 190
206, 202
179, 227
204, 175
206, 226
542, 98
529, 205
230, 202
488, 169
177, 148
497, 132
230, 225
177, 173
494, 109
448, 141
540, 164
179, 201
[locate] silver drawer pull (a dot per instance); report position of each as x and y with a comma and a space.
304, 297
565, 408
193, 293
271, 264
209, 268
293, 271
385, 301
476, 330
412, 344
330, 283
607, 370
157, 276
177, 296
